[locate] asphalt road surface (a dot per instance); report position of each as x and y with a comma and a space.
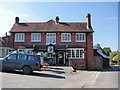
59, 77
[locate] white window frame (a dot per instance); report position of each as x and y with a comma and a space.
65, 35
19, 37
82, 37
81, 53
30, 50
35, 37
48, 38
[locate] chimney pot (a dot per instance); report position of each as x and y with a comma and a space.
57, 19
16, 20
88, 19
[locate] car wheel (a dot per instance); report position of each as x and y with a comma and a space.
27, 70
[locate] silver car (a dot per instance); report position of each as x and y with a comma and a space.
25, 62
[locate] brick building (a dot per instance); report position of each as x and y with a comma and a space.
67, 43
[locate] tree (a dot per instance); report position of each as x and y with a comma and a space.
107, 50
114, 53
115, 57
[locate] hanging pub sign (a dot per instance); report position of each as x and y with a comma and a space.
50, 48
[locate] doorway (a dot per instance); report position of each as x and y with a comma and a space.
61, 58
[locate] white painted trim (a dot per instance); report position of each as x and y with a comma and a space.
16, 34
49, 42
81, 40
65, 35
35, 40
75, 53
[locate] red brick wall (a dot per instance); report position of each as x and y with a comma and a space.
77, 63
90, 56
81, 64
43, 40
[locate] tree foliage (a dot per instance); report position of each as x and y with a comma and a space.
115, 57
114, 53
107, 50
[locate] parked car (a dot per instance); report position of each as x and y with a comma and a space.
18, 61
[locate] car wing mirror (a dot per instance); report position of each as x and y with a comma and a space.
6, 59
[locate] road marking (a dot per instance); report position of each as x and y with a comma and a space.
91, 80
94, 79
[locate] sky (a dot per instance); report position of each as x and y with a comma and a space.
104, 17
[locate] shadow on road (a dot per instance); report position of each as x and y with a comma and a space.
48, 75
112, 69
36, 74
56, 68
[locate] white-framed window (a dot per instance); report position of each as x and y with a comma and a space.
65, 37
50, 38
27, 51
19, 37
80, 37
36, 37
76, 53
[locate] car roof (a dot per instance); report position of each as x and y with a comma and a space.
22, 54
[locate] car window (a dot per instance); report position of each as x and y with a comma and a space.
12, 57
31, 57
21, 57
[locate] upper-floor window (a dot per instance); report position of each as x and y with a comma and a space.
19, 37
66, 37
50, 38
80, 37
36, 37
76, 53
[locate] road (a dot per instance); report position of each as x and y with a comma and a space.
56, 78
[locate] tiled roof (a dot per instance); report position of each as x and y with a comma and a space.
49, 26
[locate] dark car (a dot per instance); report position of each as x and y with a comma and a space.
25, 62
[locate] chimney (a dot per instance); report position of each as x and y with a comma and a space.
6, 34
16, 20
88, 19
57, 19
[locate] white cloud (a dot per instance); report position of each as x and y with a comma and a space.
7, 14
7, 17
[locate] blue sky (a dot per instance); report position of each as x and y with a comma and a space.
104, 17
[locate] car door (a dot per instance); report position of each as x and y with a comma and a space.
9, 62
21, 60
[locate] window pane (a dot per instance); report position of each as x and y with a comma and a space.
50, 38
21, 57
36, 37
77, 53
30, 57
12, 57
65, 37
81, 53
80, 37
73, 53
19, 37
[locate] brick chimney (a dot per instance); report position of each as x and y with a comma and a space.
88, 20
16, 20
57, 19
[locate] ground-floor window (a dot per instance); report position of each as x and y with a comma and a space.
76, 53
25, 51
